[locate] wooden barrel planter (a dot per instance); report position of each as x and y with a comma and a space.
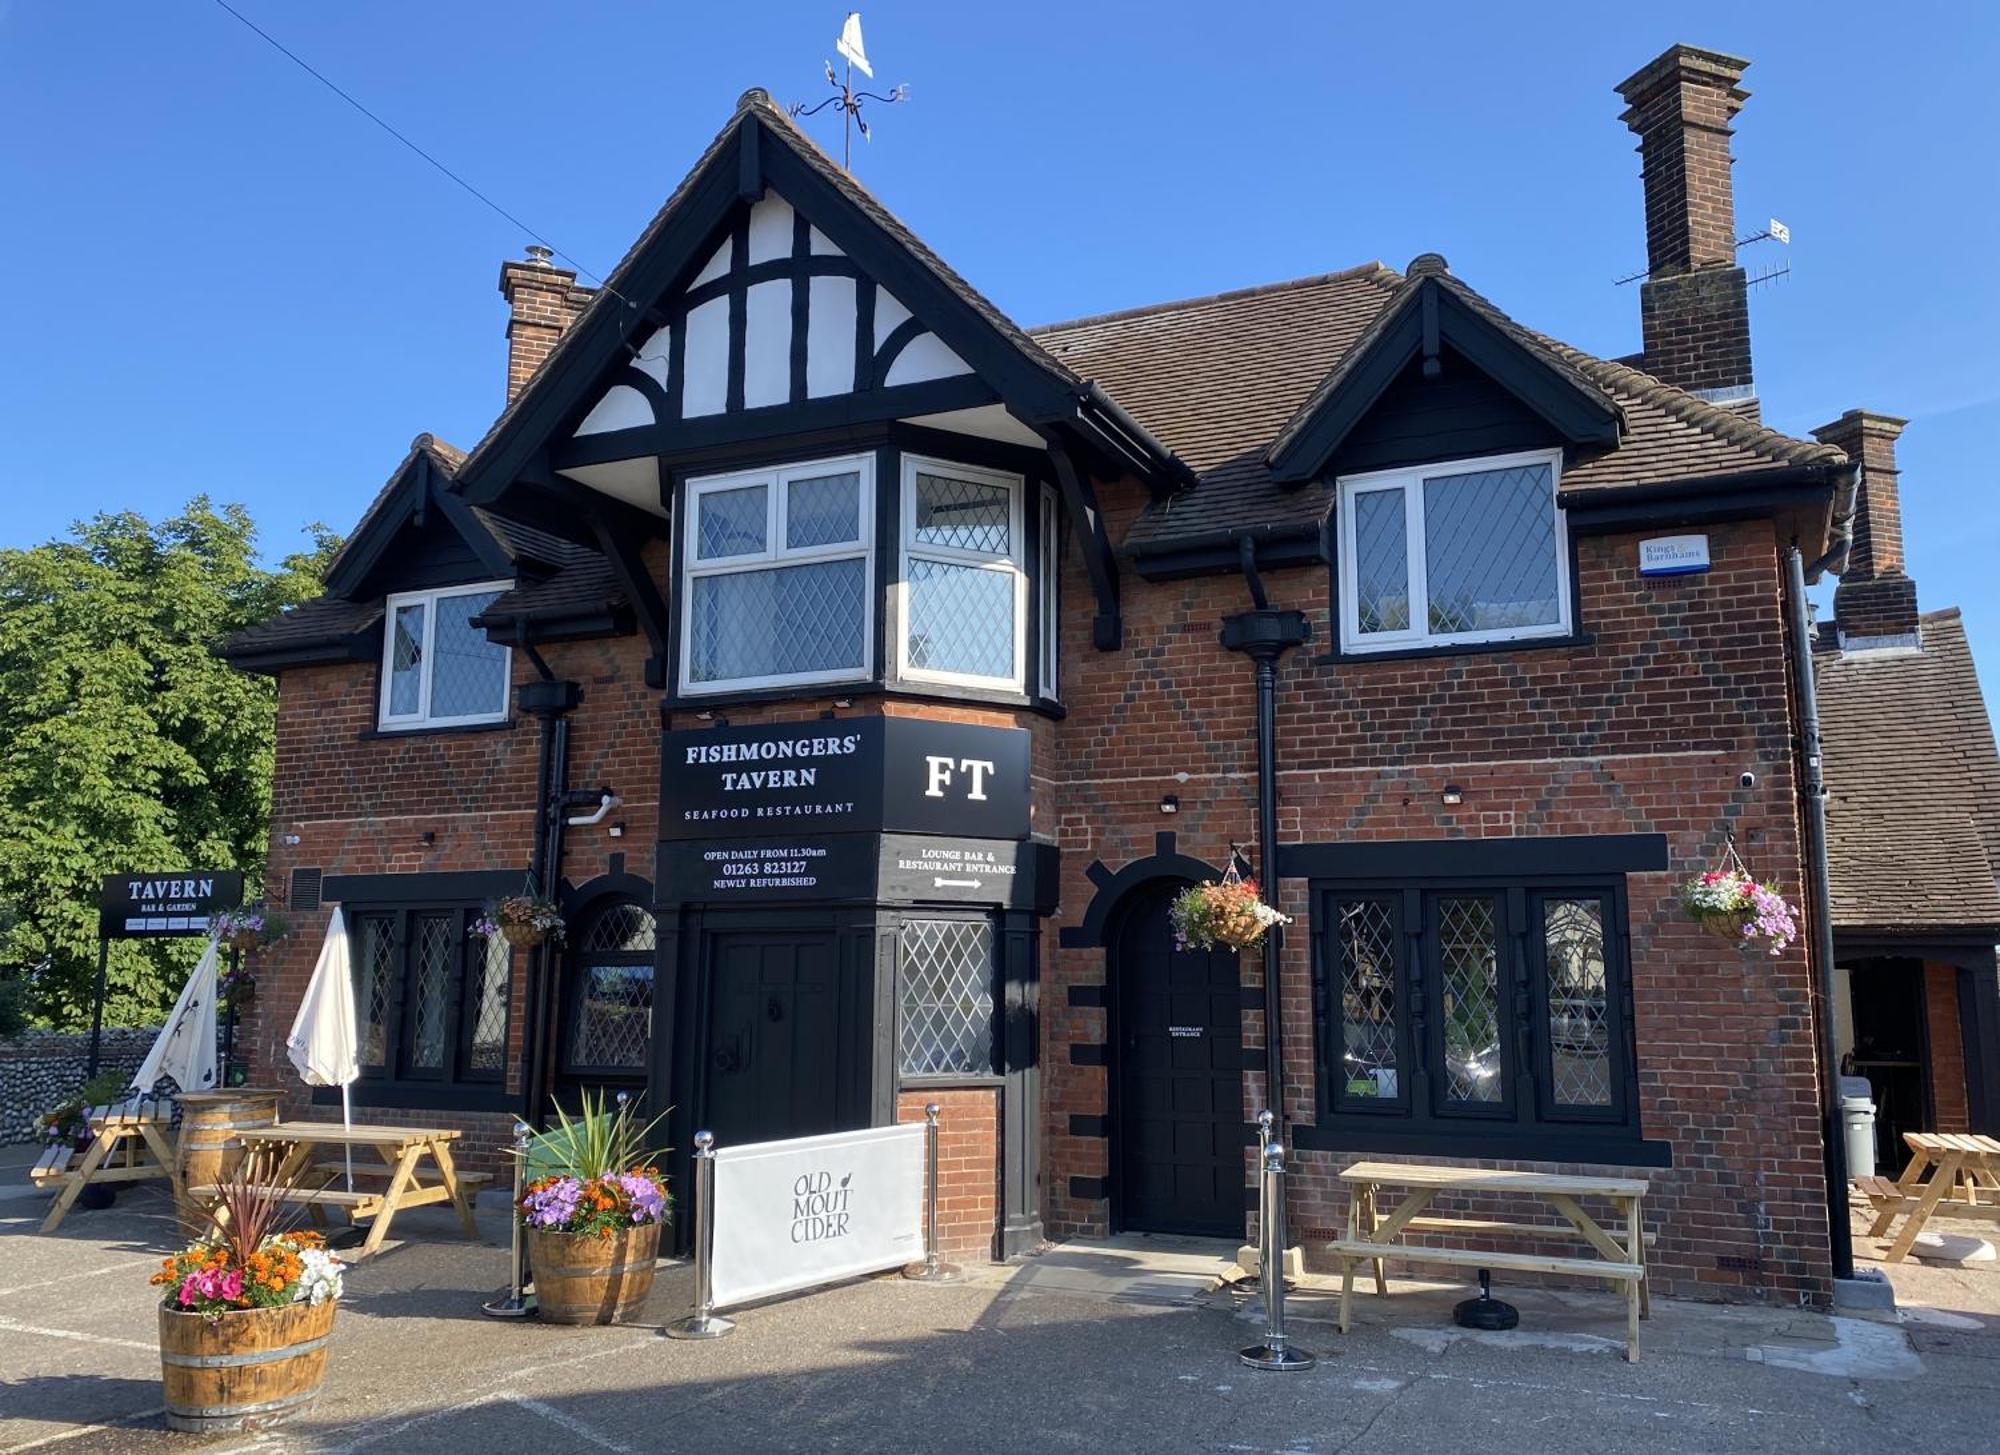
244, 1369
208, 1151
584, 1279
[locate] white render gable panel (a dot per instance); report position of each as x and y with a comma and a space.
729, 342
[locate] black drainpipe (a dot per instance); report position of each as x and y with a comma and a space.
1840, 1238
550, 700
1266, 634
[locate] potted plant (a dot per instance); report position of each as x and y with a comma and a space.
525, 920
1226, 912
1730, 904
592, 1214
247, 1312
68, 1123
250, 927
236, 985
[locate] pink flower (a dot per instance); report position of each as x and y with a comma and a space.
230, 1285
190, 1290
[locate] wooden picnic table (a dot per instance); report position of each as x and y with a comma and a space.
1372, 1235
128, 1143
401, 1152
1961, 1166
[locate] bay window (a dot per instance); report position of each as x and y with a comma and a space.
438, 669
1462, 553
778, 576
964, 585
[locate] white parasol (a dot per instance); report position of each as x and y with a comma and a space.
186, 1047
324, 1044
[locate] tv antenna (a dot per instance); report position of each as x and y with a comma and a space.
1773, 231
845, 97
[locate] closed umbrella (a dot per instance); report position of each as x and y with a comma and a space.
324, 1044
185, 1049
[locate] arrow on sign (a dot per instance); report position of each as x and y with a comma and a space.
939, 882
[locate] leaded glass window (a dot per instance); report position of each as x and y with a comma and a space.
1366, 932
374, 962
432, 1000
438, 668
1472, 552
432, 958
778, 576
611, 1006
964, 586
1469, 988
1579, 1016
491, 968
947, 997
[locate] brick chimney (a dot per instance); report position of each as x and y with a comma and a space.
1694, 307
545, 301
1875, 601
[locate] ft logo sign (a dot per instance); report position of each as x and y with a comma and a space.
942, 772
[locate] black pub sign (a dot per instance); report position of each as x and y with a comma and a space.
845, 775
169, 902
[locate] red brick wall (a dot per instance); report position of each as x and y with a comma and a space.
1948, 1094
968, 1166
1646, 729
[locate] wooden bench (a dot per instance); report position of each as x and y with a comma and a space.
128, 1144
1372, 1237
1944, 1168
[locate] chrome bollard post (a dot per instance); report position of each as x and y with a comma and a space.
932, 1269
1276, 1352
702, 1323
514, 1304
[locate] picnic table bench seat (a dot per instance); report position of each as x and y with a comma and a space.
127, 1144
1488, 1258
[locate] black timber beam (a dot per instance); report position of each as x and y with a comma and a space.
619, 530
1107, 627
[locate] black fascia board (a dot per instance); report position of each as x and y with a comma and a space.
1582, 417
481, 541
1219, 553
1512, 858
566, 624
365, 549
329, 651
1706, 500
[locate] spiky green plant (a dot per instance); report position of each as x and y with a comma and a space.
595, 1143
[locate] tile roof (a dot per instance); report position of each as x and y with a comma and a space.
1219, 379
323, 621
1913, 783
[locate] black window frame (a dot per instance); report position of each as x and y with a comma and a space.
996, 1020
578, 959
1526, 1121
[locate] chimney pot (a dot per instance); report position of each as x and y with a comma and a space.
541, 256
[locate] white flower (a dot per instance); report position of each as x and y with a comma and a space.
319, 1279
1267, 916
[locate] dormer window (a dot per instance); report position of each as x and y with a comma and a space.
1454, 554
438, 669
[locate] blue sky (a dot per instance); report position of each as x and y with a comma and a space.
221, 279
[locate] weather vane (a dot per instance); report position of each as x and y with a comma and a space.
846, 98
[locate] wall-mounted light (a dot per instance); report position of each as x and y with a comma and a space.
1170, 803
617, 830
843, 702
1452, 796
704, 717
430, 836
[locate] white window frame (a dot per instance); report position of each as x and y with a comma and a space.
1049, 562
777, 482
421, 718
1012, 562
1418, 634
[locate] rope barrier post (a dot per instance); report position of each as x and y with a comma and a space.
932, 1269
1276, 1352
515, 1304
702, 1323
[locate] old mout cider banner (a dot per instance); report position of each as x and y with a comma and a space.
789, 1215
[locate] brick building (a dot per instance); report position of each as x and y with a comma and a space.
865, 673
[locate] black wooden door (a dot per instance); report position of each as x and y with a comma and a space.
1178, 1063
773, 1036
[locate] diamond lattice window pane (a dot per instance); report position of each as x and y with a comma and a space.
621, 927
406, 662
430, 983
1490, 550
614, 1018
964, 515
1579, 1012
825, 511
732, 522
778, 622
961, 618
1367, 935
489, 1003
947, 998
468, 672
374, 971
1468, 956
1381, 562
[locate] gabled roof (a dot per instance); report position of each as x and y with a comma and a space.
759, 147
416, 485
1219, 379
1913, 785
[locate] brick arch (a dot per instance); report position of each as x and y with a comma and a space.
1115, 888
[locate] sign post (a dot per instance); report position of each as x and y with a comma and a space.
154, 906
702, 1323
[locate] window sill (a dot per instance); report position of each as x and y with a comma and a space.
946, 1082
369, 735
720, 702
423, 1095
1341, 657
1609, 1148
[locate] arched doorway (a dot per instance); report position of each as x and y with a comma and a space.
1176, 1077
606, 1010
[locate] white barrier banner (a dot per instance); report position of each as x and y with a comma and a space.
791, 1214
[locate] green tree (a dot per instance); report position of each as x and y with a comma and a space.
125, 742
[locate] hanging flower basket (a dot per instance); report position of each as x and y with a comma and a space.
1732, 905
250, 927
523, 920
1225, 912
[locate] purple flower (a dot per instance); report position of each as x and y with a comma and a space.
648, 1198
553, 1206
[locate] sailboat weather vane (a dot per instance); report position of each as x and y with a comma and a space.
845, 97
